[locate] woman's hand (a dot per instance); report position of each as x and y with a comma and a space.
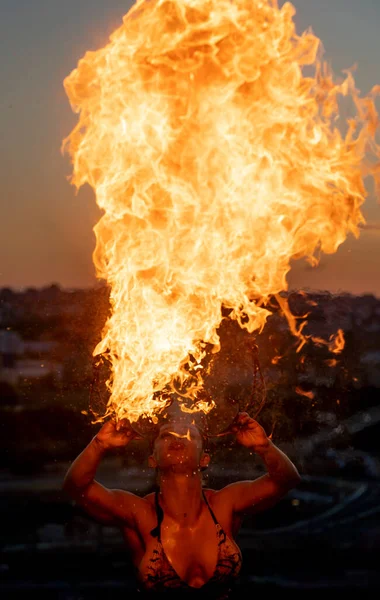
113, 435
249, 433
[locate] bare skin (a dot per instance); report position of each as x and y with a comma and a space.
186, 517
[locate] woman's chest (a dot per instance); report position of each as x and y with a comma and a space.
181, 553
192, 552
185, 553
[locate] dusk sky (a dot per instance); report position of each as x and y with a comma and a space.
46, 229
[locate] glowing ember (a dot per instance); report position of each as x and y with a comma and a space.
276, 359
307, 394
216, 161
338, 342
331, 362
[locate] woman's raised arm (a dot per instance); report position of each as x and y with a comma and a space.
113, 507
265, 491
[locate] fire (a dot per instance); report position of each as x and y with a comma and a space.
276, 359
307, 394
337, 342
179, 435
331, 362
215, 161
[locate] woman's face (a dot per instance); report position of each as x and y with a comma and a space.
179, 444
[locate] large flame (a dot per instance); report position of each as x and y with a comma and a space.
216, 161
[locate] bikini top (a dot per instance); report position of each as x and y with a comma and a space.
160, 576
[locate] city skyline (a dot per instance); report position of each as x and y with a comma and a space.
46, 236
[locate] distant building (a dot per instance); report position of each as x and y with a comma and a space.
17, 363
39, 347
11, 348
37, 369
371, 365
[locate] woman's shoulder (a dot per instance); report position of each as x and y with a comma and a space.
149, 498
222, 511
209, 491
210, 494
146, 513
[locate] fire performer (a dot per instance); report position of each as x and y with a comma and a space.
216, 161
181, 537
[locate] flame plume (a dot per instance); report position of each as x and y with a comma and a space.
216, 161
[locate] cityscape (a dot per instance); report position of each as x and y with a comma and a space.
321, 407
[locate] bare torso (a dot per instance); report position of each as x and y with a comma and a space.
188, 542
192, 551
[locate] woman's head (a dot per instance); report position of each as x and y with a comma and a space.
180, 447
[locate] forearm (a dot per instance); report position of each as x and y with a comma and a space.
279, 466
83, 469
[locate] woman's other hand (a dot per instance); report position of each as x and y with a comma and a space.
249, 433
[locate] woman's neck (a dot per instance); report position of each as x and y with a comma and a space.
181, 496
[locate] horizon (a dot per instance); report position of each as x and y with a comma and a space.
101, 285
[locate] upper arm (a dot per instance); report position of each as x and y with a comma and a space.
253, 496
110, 507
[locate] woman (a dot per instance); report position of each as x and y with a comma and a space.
181, 537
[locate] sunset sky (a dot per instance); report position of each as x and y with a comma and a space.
46, 229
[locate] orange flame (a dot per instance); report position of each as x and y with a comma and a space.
215, 161
305, 393
337, 342
276, 359
331, 362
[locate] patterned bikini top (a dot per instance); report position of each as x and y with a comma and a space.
160, 576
